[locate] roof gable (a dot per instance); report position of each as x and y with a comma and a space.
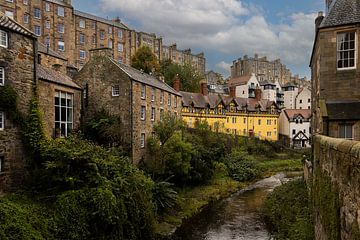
342, 12
11, 24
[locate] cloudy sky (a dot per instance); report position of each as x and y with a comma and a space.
224, 29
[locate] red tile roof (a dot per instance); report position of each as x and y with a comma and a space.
291, 113
239, 81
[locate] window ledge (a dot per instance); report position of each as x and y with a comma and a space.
346, 69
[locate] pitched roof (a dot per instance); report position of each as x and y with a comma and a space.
266, 82
291, 113
239, 81
99, 19
345, 110
11, 24
342, 12
145, 78
44, 49
55, 77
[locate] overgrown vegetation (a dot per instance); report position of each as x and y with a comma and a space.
287, 212
145, 60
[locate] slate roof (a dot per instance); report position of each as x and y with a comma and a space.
342, 12
145, 78
291, 113
99, 19
55, 77
11, 24
44, 49
263, 83
345, 110
237, 81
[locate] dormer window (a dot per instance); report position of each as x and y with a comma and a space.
3, 39
346, 50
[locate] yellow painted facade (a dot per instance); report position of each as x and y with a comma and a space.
264, 126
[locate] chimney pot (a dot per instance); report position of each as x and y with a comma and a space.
258, 94
233, 92
176, 83
204, 89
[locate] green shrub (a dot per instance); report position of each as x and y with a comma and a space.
164, 195
287, 213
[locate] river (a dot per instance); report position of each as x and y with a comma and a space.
235, 218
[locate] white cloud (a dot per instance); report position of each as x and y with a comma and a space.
224, 68
228, 26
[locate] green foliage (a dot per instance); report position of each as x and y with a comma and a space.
325, 199
164, 195
23, 219
287, 213
8, 99
167, 127
240, 166
189, 77
258, 147
144, 59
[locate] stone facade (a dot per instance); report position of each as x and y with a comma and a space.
137, 91
17, 62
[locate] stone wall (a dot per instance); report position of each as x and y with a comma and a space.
336, 188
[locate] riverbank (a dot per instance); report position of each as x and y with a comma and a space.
193, 200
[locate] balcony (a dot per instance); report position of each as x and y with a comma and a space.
251, 94
279, 99
252, 87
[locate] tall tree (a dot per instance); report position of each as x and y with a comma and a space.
144, 59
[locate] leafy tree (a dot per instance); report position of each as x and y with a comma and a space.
144, 59
190, 78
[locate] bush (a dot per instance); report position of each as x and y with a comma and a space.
286, 211
164, 195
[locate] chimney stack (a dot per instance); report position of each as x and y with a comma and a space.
318, 20
204, 89
258, 94
101, 52
176, 83
233, 92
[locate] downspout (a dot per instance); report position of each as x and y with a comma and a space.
132, 120
35, 48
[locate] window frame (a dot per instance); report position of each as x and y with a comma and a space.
2, 121
115, 90
63, 45
153, 114
26, 18
82, 23
82, 54
82, 38
4, 42
37, 27
37, 10
47, 7
143, 91
143, 113
348, 50
2, 164
61, 28
346, 125
142, 140
60, 13
2, 76
120, 47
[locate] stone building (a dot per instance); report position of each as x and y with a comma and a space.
335, 71
264, 69
17, 70
295, 129
185, 57
290, 91
252, 117
138, 99
139, 39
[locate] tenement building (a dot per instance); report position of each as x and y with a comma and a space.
139, 100
335, 69
252, 117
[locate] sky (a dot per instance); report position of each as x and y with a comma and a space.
224, 30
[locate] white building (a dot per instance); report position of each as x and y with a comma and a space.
294, 128
290, 92
268, 90
244, 86
303, 99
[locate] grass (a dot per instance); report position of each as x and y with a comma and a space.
269, 167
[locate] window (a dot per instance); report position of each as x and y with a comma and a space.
259, 122
268, 122
309, 100
120, 60
1, 163
153, 93
169, 99
37, 30
2, 76
63, 113
244, 120
61, 46
143, 91
82, 38
346, 50
94, 39
60, 11
47, 42
9, 14
142, 140
161, 114
294, 132
82, 54
37, 13
300, 100
120, 34
93, 25
161, 97
47, 24
346, 131
142, 113
26, 18
102, 35
120, 47
110, 43
175, 102
10, 1
47, 7
268, 134
25, 2
82, 23
115, 90
61, 28
153, 114
110, 30
2, 120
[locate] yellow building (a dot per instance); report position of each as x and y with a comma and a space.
239, 116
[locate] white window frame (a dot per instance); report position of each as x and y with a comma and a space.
82, 54
175, 102
120, 47
82, 38
143, 113
153, 114
61, 28
2, 76
340, 36
47, 24
60, 11
35, 11
82, 23
61, 46
143, 91
110, 30
47, 7
26, 2
110, 43
39, 28
169, 99
162, 97
115, 90
26, 18
9, 14
142, 140
120, 34
67, 96
1, 164
153, 94
346, 126
2, 121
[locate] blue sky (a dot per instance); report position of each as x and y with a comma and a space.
223, 29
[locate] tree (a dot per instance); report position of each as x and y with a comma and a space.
144, 59
190, 78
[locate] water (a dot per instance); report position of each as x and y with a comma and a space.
235, 218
